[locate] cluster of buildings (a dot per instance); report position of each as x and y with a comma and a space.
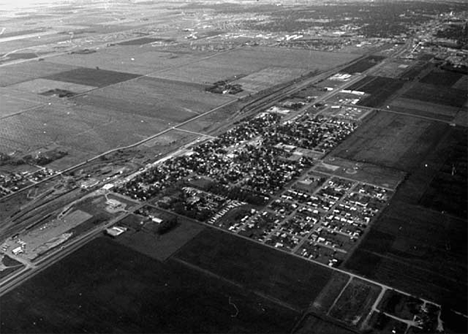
13, 182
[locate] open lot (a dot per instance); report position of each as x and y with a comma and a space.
257, 268
105, 287
392, 140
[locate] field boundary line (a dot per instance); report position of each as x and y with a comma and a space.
350, 278
240, 286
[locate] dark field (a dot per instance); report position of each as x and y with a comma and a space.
8, 266
380, 89
416, 71
441, 78
448, 190
257, 268
425, 109
363, 65
422, 250
145, 240
92, 77
316, 325
437, 94
105, 287
392, 140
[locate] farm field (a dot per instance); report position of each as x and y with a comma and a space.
246, 61
426, 109
84, 131
13, 74
418, 250
392, 140
167, 100
441, 78
105, 287
380, 90
13, 102
257, 268
137, 60
437, 94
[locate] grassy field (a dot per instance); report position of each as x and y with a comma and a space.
168, 101
330, 292
257, 268
268, 77
355, 302
392, 140
105, 287
364, 172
